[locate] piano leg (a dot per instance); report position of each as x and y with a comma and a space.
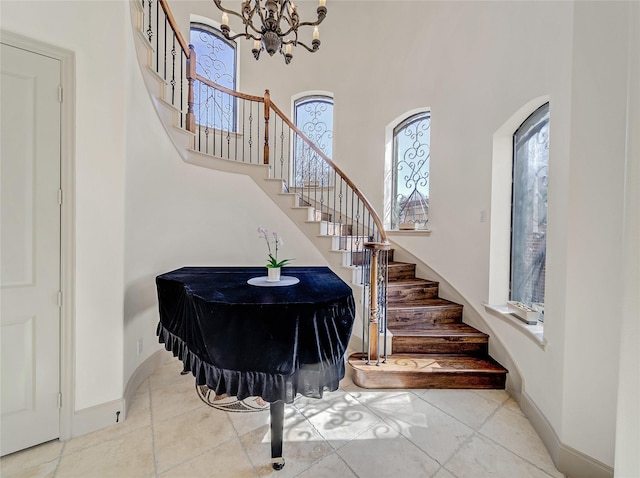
276, 409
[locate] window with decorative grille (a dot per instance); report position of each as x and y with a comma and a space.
410, 172
313, 115
529, 209
216, 61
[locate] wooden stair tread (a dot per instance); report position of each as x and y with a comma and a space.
399, 263
396, 265
412, 281
429, 363
421, 303
442, 330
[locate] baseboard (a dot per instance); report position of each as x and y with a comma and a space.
568, 460
107, 414
579, 465
96, 418
140, 374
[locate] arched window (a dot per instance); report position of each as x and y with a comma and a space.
410, 172
529, 209
313, 115
216, 61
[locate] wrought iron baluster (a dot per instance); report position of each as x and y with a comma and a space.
333, 209
360, 231
294, 165
229, 126
258, 135
244, 114
182, 79
282, 173
341, 197
222, 128
235, 152
164, 45
314, 183
250, 131
157, 37
173, 72
350, 238
289, 157
150, 28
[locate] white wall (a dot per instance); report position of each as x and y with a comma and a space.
595, 194
627, 463
95, 32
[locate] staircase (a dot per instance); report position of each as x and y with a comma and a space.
431, 346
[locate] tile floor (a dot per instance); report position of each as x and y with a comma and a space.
352, 432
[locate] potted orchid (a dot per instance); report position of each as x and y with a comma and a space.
273, 264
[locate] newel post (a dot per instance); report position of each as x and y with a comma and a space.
374, 300
191, 76
267, 112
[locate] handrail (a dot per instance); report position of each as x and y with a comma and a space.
237, 94
331, 164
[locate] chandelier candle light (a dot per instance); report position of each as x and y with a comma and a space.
278, 28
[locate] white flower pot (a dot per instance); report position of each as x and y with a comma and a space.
273, 274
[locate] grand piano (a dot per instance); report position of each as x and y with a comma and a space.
245, 337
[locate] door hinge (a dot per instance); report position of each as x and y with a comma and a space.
59, 400
59, 298
59, 93
60, 197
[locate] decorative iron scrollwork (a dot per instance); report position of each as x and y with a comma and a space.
411, 171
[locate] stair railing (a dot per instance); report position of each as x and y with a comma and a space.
252, 129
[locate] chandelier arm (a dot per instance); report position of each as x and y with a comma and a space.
245, 20
248, 19
248, 24
315, 44
282, 7
293, 19
322, 13
260, 14
285, 34
226, 10
309, 24
245, 34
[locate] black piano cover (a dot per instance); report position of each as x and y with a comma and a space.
245, 340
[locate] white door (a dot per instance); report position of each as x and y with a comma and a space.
30, 248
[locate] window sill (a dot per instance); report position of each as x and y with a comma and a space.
534, 332
409, 232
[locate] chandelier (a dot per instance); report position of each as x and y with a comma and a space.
278, 26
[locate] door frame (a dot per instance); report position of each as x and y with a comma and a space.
67, 218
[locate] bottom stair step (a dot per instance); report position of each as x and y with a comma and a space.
429, 371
